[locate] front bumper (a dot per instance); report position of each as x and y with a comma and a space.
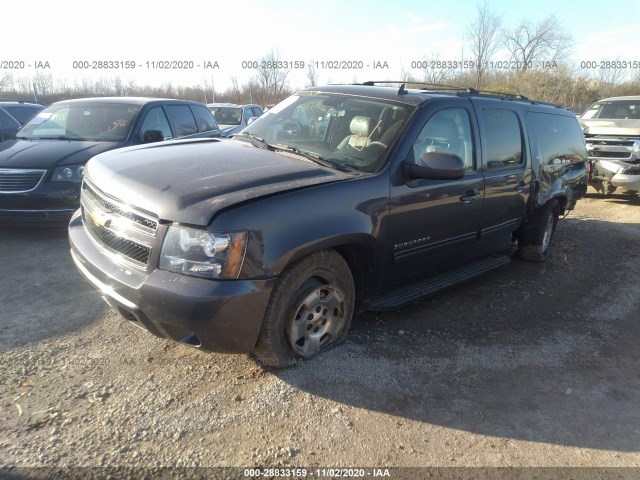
628, 182
220, 316
49, 202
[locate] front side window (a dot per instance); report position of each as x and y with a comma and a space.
348, 131
446, 131
107, 122
155, 119
502, 139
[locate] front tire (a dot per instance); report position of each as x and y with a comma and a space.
536, 235
310, 310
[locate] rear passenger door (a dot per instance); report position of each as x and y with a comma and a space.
507, 173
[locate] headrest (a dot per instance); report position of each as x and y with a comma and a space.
360, 126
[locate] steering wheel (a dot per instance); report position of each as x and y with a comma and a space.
292, 126
378, 144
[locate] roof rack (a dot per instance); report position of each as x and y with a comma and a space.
443, 87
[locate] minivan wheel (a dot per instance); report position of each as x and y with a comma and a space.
535, 237
310, 310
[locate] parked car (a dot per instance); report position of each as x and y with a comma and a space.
612, 131
269, 240
21, 111
233, 118
41, 171
9, 126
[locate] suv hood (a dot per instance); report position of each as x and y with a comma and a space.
49, 153
188, 181
628, 128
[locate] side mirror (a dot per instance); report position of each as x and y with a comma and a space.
251, 120
151, 136
436, 166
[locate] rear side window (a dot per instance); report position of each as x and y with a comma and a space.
502, 139
204, 118
182, 119
559, 138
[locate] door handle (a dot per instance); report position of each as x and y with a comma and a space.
470, 196
522, 187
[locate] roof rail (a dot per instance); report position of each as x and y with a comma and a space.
443, 87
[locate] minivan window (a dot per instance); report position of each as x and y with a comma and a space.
502, 139
205, 120
182, 119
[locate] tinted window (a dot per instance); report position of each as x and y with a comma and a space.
256, 111
6, 122
155, 119
447, 131
559, 138
502, 139
22, 114
205, 120
182, 119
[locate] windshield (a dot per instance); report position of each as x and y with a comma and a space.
616, 110
227, 115
346, 131
107, 122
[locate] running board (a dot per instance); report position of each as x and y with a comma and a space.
425, 288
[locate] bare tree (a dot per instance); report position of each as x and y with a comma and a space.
312, 74
6, 81
484, 35
437, 71
272, 79
531, 45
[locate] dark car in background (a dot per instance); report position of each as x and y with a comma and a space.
233, 118
9, 126
41, 170
21, 111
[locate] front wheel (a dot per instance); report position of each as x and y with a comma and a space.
309, 311
536, 234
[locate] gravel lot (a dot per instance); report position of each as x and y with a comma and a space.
534, 365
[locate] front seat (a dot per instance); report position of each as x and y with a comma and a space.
360, 128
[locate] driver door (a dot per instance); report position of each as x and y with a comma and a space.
434, 224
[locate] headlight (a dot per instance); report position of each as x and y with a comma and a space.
70, 173
203, 254
635, 152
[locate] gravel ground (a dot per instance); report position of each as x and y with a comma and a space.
535, 365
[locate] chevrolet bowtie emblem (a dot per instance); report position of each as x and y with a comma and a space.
101, 219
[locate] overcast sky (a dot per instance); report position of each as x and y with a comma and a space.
396, 32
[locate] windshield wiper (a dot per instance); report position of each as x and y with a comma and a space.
314, 158
255, 140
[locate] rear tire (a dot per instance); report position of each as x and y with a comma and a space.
310, 310
536, 234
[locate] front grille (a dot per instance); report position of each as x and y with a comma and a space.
116, 227
110, 205
19, 180
614, 147
128, 248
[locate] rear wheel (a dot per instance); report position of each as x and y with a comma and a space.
536, 234
309, 311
